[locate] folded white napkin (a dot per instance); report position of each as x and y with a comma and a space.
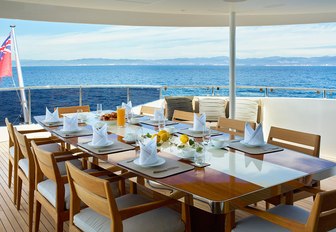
199, 122
159, 114
148, 152
70, 123
51, 117
99, 137
128, 107
253, 137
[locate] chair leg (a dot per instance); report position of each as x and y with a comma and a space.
10, 173
19, 190
15, 184
59, 224
267, 205
31, 207
37, 216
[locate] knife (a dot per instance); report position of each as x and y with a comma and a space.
165, 170
109, 149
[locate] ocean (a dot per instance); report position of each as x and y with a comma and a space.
275, 76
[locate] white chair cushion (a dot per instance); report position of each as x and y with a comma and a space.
213, 107
48, 189
256, 224
24, 165
247, 110
11, 151
51, 147
162, 219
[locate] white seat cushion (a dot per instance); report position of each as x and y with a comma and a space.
48, 189
11, 151
162, 219
213, 107
24, 165
247, 110
256, 224
51, 147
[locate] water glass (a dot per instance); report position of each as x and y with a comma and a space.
199, 156
206, 135
99, 108
161, 123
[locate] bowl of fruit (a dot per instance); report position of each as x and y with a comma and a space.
109, 118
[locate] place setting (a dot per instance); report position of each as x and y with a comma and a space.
158, 120
51, 119
253, 142
199, 128
101, 144
151, 164
71, 129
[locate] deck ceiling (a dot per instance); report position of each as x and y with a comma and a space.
172, 12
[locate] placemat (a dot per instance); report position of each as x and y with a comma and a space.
84, 132
197, 135
114, 148
154, 123
49, 124
169, 168
268, 148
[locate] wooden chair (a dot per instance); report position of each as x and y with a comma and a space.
232, 126
148, 110
298, 141
51, 188
12, 166
294, 140
293, 218
26, 168
183, 116
72, 109
111, 213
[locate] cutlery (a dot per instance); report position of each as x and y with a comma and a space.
130, 161
109, 149
165, 170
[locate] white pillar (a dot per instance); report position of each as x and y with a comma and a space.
232, 83
20, 78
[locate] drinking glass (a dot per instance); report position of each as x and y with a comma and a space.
161, 123
206, 135
121, 116
99, 108
79, 115
199, 156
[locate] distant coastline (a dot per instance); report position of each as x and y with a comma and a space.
202, 61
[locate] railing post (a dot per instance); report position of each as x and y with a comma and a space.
324, 93
266, 92
80, 96
161, 92
213, 91
128, 94
29, 107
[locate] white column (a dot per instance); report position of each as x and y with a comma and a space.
20, 78
232, 83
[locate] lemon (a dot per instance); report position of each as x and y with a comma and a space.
184, 138
164, 135
158, 137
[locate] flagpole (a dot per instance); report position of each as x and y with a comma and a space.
20, 78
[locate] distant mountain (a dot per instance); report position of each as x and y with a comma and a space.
219, 60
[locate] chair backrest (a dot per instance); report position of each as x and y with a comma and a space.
180, 116
72, 109
10, 130
232, 126
148, 110
295, 140
95, 193
323, 213
45, 163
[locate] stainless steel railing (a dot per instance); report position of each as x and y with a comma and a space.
208, 90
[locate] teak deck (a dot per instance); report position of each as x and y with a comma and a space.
16, 221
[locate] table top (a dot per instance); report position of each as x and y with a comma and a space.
232, 175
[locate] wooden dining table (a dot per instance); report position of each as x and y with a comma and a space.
232, 179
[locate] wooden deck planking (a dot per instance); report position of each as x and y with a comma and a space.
13, 220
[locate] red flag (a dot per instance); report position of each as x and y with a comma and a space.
6, 58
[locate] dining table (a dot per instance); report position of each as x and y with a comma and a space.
232, 177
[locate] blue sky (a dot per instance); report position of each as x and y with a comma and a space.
44, 40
